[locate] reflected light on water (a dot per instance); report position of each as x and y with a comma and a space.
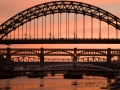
53, 83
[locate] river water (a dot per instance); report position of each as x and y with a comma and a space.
56, 82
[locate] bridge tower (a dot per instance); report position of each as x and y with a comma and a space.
109, 56
42, 57
8, 57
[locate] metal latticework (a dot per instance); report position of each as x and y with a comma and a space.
76, 67
57, 7
36, 59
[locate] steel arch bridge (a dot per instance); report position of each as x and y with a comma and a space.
24, 27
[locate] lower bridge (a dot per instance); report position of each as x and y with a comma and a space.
82, 68
102, 64
35, 61
25, 63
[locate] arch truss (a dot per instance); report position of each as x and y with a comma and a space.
36, 59
51, 8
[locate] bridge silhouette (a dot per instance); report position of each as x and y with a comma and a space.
75, 54
31, 25
43, 24
35, 61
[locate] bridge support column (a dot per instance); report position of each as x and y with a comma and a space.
75, 56
109, 57
42, 57
8, 57
52, 73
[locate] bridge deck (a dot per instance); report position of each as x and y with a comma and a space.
61, 41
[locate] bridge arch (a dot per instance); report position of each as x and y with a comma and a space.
57, 7
36, 59
92, 59
95, 51
53, 51
25, 51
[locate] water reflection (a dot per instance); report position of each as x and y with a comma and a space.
74, 83
19, 87
7, 84
109, 81
90, 83
41, 82
53, 83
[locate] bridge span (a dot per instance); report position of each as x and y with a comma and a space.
61, 22
74, 53
50, 23
34, 62
81, 68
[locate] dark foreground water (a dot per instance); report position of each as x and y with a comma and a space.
53, 83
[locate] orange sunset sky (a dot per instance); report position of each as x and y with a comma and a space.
9, 8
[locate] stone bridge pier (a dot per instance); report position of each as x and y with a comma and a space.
109, 56
42, 57
8, 57
74, 59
